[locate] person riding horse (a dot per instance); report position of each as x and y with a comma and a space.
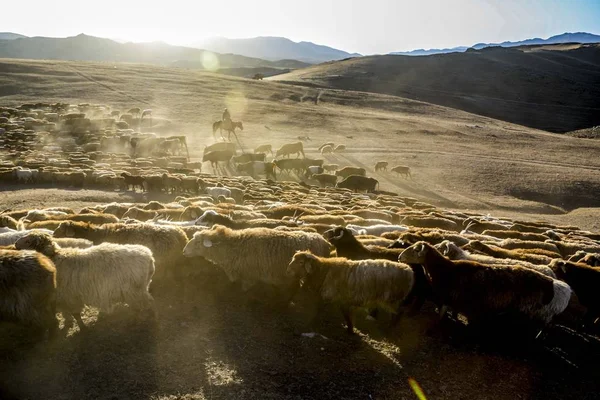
226, 117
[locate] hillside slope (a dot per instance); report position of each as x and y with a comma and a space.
557, 91
458, 159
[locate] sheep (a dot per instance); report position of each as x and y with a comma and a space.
222, 146
430, 222
313, 169
584, 280
507, 234
28, 290
381, 166
99, 276
402, 170
91, 218
358, 182
499, 289
339, 148
139, 214
591, 259
254, 168
215, 192
453, 252
512, 244
499, 252
330, 167
264, 148
376, 230
171, 183
347, 171
348, 246
41, 215
133, 181
211, 217
328, 144
567, 249
73, 242
430, 236
214, 157
350, 284
165, 242
8, 238
325, 179
8, 222
247, 157
326, 149
256, 254
291, 148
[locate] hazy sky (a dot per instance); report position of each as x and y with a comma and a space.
364, 26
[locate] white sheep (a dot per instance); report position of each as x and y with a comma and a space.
100, 276
256, 254
376, 230
215, 192
8, 238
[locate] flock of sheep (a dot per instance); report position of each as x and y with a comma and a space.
373, 250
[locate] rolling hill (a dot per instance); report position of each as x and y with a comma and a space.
553, 87
10, 36
89, 48
567, 37
459, 160
275, 48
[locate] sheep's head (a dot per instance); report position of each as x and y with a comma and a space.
338, 235
449, 249
131, 213
65, 229
559, 267
303, 264
475, 245
38, 241
208, 218
205, 242
592, 260
8, 222
415, 254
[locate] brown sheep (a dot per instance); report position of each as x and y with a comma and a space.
480, 291
584, 280
506, 234
381, 166
498, 252
350, 284
28, 290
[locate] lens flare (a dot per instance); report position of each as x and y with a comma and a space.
417, 389
210, 61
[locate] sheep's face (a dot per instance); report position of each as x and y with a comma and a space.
131, 213
415, 254
204, 243
449, 249
64, 230
336, 235
297, 268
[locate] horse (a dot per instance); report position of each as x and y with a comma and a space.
228, 126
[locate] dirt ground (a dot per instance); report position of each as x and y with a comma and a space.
209, 343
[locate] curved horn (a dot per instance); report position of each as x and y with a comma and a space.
341, 233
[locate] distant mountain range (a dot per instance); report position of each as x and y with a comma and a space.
10, 36
275, 48
90, 48
578, 37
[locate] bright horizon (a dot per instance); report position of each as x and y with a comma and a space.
366, 27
